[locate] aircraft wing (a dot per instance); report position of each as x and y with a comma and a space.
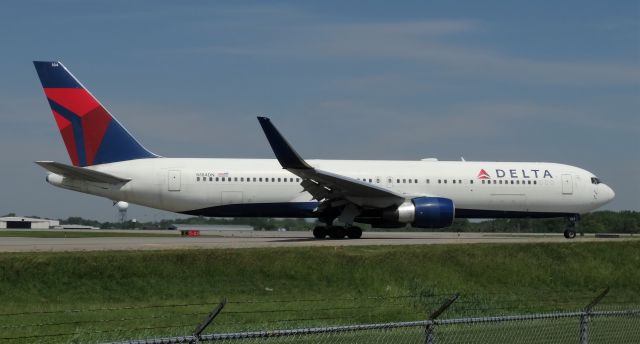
81, 173
324, 185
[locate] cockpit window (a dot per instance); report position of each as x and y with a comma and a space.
595, 180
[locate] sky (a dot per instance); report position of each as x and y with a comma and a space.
487, 81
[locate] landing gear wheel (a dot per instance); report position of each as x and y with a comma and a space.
354, 232
337, 232
320, 232
569, 233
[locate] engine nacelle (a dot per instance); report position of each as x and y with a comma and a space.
424, 212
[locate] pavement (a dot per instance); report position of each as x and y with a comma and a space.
253, 239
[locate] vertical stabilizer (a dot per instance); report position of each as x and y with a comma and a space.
90, 133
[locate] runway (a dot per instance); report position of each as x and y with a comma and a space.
254, 239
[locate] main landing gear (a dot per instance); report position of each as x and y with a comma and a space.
570, 232
337, 232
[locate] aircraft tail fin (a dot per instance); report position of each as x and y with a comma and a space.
90, 133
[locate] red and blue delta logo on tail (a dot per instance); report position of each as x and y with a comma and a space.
90, 133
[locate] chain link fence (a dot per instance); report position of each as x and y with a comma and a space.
585, 326
426, 317
601, 327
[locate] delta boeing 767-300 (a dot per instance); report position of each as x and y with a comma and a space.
107, 161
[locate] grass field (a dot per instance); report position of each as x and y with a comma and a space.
91, 296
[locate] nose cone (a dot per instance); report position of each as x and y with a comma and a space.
607, 194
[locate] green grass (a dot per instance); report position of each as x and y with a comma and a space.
124, 295
78, 234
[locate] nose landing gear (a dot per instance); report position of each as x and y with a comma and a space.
570, 232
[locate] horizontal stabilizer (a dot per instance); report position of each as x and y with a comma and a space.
81, 173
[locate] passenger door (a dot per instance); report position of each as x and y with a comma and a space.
567, 184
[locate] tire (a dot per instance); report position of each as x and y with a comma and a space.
569, 233
320, 232
354, 233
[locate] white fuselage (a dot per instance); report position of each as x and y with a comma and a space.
478, 189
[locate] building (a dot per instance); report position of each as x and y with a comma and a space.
18, 222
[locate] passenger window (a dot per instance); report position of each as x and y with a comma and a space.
535, 182
273, 180
445, 181
369, 180
439, 181
427, 181
494, 182
197, 179
398, 181
409, 181
223, 179
217, 179
454, 181
278, 180
297, 179
404, 181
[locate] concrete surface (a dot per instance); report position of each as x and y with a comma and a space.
245, 239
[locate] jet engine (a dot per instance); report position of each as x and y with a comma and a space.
423, 212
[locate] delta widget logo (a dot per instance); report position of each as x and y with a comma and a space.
483, 174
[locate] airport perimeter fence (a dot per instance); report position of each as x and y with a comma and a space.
584, 326
577, 327
485, 318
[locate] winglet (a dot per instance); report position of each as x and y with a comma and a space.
286, 155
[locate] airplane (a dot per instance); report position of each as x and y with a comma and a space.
107, 161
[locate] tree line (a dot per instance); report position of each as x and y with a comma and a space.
597, 222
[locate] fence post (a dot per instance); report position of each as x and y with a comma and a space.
431, 326
586, 312
203, 325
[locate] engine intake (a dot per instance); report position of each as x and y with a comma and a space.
425, 212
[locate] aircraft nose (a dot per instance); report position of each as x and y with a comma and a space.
607, 193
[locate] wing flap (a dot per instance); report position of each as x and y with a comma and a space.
81, 173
